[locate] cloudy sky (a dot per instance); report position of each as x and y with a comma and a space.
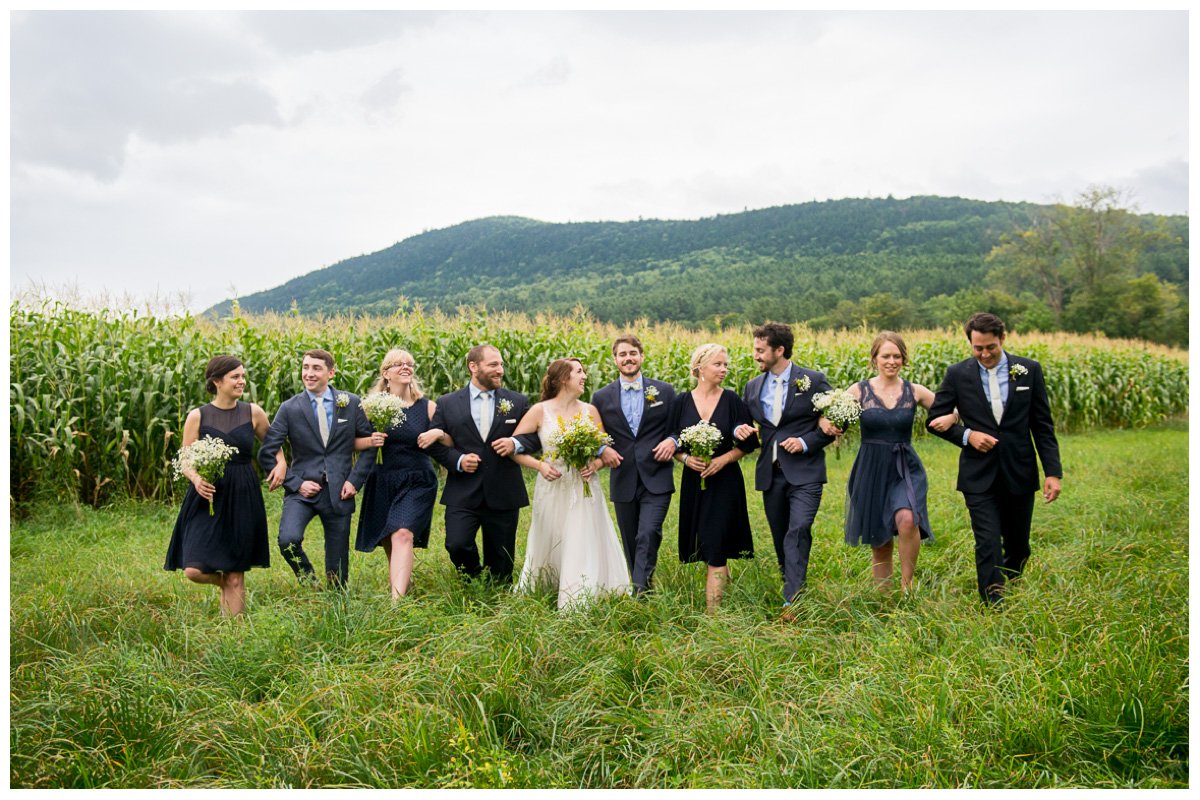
195, 152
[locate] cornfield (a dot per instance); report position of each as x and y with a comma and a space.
98, 398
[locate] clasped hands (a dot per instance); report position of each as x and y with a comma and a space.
708, 468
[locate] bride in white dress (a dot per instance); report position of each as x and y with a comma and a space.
571, 539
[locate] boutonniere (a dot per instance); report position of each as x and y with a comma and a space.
505, 406
343, 400
803, 384
1016, 371
651, 393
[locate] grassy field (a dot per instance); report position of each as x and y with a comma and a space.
124, 675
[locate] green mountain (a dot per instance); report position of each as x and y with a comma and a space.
790, 263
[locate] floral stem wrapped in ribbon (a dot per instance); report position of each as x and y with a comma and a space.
384, 411
577, 442
839, 407
701, 440
206, 457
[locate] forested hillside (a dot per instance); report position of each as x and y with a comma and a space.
922, 261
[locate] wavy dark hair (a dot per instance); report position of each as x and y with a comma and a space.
218, 367
556, 375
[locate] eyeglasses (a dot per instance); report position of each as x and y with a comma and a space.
411, 365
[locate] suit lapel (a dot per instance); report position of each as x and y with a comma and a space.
754, 389
306, 407
496, 415
621, 413
980, 394
789, 393
337, 414
470, 418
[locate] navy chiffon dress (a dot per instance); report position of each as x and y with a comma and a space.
887, 474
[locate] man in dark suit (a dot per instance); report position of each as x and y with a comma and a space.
634, 411
1004, 412
321, 424
484, 487
791, 463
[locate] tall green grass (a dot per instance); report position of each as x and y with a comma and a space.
98, 399
124, 675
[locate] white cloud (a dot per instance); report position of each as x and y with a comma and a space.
195, 150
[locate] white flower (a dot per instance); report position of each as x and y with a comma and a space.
803, 384
506, 406
1016, 370
384, 411
651, 393
343, 400
837, 406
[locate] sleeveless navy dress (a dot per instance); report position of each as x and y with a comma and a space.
887, 474
400, 492
234, 537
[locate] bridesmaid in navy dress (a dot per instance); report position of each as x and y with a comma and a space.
887, 490
219, 548
714, 522
399, 495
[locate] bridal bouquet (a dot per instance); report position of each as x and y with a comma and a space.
384, 410
206, 457
700, 440
839, 407
577, 442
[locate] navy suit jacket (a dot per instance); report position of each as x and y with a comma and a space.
799, 419
1026, 422
637, 452
498, 482
331, 464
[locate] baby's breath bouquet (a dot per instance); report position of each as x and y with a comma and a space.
206, 457
700, 440
577, 442
384, 410
839, 407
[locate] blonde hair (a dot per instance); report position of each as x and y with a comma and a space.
704, 354
394, 355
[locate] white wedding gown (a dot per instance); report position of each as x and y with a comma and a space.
572, 541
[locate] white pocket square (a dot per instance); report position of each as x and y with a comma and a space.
510, 422
1022, 388
343, 420
656, 405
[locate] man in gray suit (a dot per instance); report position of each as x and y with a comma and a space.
322, 426
791, 464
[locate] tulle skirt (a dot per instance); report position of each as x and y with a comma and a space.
572, 543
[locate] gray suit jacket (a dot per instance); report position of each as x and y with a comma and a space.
330, 465
799, 419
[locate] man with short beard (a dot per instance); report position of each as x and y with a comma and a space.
484, 487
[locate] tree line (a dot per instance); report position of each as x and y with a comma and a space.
1092, 266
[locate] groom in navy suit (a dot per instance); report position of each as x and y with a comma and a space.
634, 411
1004, 413
791, 463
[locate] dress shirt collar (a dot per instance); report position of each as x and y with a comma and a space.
476, 391
782, 373
1002, 364
327, 394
